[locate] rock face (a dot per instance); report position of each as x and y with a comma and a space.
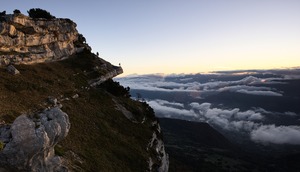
12, 70
114, 72
28, 143
159, 161
30, 140
24, 40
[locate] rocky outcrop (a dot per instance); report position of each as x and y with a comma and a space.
159, 159
24, 40
113, 72
12, 70
29, 142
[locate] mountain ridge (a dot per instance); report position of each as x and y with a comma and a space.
77, 82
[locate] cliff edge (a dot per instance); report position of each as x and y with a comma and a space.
24, 40
63, 112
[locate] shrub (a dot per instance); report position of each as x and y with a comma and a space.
115, 88
2, 19
16, 11
1, 145
3, 13
81, 38
58, 150
39, 13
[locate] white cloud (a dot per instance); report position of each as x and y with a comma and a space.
245, 125
242, 87
254, 90
202, 108
290, 113
261, 93
167, 103
224, 118
250, 121
233, 119
249, 115
234, 114
186, 79
158, 83
277, 135
165, 111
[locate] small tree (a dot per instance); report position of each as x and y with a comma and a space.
2, 145
39, 13
81, 38
3, 13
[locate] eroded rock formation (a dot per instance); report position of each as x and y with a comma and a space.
29, 142
159, 161
24, 40
113, 72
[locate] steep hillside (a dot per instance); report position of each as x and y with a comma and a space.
103, 129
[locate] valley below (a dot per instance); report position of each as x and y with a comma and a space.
226, 121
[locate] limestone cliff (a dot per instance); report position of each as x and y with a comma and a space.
109, 131
30, 140
160, 160
24, 40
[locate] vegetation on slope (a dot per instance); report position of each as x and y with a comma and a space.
101, 138
39, 13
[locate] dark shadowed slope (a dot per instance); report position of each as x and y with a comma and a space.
203, 134
196, 146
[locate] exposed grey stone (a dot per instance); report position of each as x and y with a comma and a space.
75, 96
52, 100
103, 78
25, 40
125, 112
59, 105
12, 70
160, 160
30, 146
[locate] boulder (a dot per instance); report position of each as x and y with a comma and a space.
30, 140
52, 100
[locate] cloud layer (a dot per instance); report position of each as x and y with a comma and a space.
249, 122
278, 135
201, 103
247, 85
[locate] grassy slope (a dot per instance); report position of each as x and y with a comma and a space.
102, 137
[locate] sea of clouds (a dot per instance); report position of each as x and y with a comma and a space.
252, 122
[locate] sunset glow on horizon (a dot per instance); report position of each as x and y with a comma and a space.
185, 36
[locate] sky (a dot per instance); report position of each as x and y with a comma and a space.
191, 36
